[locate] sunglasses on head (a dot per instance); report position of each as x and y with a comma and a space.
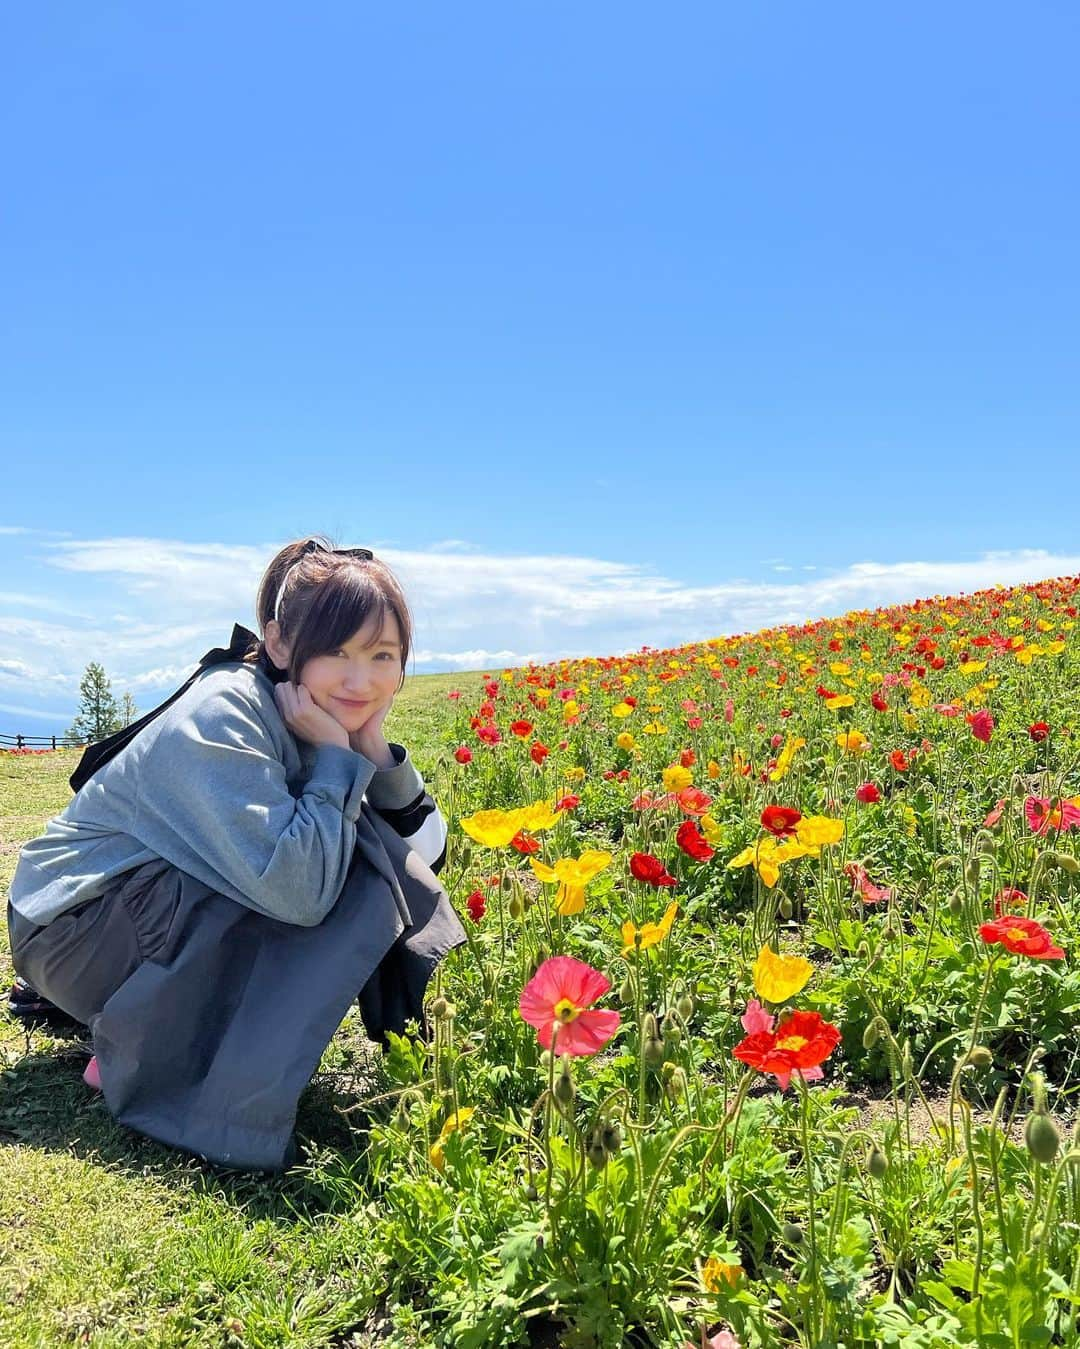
314, 546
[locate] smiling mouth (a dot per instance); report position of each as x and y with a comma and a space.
354, 702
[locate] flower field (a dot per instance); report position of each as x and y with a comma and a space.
766, 1029
764, 1034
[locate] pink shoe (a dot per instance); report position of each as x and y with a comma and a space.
91, 1076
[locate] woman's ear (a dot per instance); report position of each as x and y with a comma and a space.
276, 649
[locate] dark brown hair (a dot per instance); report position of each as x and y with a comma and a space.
328, 597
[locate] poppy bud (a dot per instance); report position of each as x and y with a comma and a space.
653, 1052
786, 907
466, 855
564, 1084
669, 1029
532, 1194
439, 1008
596, 1153
1042, 1137
676, 1084
792, 1234
611, 1136
685, 1007
956, 903
878, 1163
515, 908
876, 1028
971, 871
980, 1057
1067, 863
649, 1028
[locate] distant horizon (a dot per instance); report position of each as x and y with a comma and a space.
158, 693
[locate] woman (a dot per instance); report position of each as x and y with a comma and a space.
258, 855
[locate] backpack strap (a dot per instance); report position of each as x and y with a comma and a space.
98, 754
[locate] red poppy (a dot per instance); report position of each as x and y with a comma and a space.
982, 725
486, 709
693, 801
454, 695
694, 723
868, 794
1038, 730
522, 728
568, 802
477, 905
878, 703
523, 844
538, 752
798, 1045
492, 689
687, 758
489, 735
463, 754
780, 820
645, 867
896, 758
1021, 936
1008, 899
692, 842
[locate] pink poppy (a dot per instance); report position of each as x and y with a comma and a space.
862, 885
561, 993
1041, 818
995, 814
947, 709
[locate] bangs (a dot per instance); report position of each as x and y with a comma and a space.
342, 604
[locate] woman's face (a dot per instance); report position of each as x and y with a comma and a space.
360, 677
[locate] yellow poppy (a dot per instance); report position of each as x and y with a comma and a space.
718, 1274
625, 741
813, 831
654, 728
676, 778
778, 977
853, 742
456, 1121
839, 700
572, 875
492, 828
714, 770
539, 816
651, 933
621, 710
785, 758
714, 832
575, 774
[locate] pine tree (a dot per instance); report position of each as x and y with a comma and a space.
98, 715
128, 711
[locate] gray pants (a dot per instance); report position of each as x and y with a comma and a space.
208, 1018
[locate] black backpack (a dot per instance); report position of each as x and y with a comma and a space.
98, 754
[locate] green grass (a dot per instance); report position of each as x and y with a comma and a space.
107, 1238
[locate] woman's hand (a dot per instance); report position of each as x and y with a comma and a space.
306, 719
369, 739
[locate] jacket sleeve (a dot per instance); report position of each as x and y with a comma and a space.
213, 800
399, 795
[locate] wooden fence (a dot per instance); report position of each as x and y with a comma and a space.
34, 742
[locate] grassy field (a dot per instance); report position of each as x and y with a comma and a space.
108, 1239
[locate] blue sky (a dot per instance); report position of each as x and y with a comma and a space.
606, 324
